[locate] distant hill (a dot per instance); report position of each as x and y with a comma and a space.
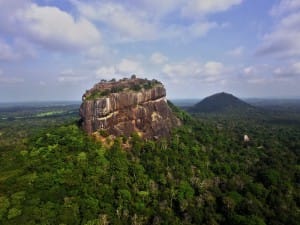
221, 103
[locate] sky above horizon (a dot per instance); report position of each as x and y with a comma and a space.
55, 50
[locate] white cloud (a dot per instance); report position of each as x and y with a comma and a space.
248, 70
9, 80
124, 68
210, 71
120, 21
127, 23
196, 8
255, 74
257, 81
24, 48
69, 76
236, 52
191, 31
148, 20
160, 8
182, 69
42, 83
106, 72
96, 52
6, 52
129, 66
283, 41
8, 11
288, 71
47, 26
296, 67
201, 29
285, 6
158, 58
56, 28
213, 68
16, 50
266, 73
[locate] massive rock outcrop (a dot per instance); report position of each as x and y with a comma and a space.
127, 106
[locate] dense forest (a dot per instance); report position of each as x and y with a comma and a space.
53, 173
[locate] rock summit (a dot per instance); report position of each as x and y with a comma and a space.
127, 106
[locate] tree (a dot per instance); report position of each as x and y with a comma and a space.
185, 191
4, 205
14, 212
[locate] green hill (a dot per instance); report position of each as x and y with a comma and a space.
221, 103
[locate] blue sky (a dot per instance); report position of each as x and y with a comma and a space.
55, 50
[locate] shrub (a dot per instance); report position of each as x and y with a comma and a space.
136, 87
103, 133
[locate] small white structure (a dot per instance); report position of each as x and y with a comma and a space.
246, 138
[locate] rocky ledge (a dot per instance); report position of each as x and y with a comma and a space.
120, 108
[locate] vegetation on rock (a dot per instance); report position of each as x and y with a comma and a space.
104, 88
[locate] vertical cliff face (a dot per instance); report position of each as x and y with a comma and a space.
127, 106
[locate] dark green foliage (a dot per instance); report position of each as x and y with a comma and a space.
103, 133
52, 173
182, 115
148, 85
117, 86
99, 94
116, 89
136, 87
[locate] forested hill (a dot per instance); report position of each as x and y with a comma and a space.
53, 173
220, 103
